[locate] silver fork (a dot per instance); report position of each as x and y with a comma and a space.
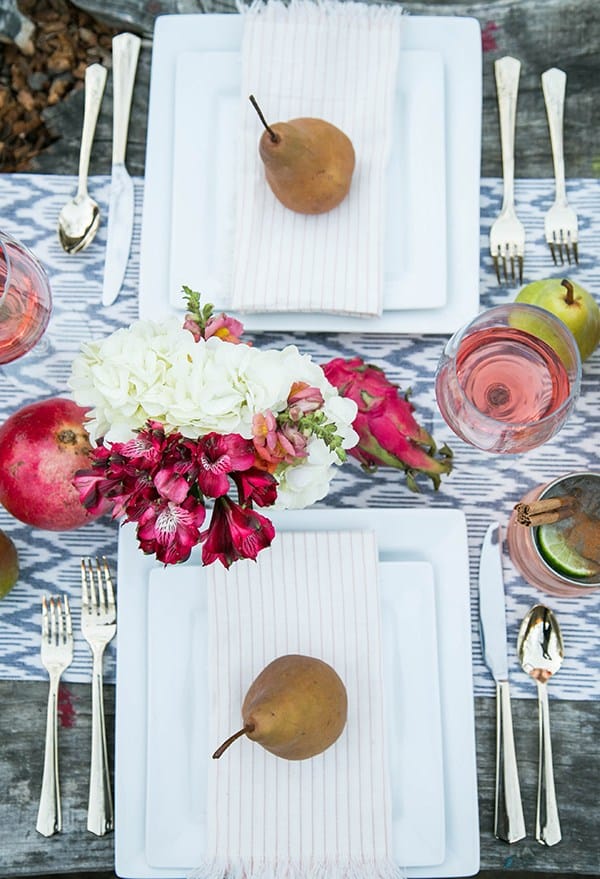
507, 235
560, 223
98, 624
56, 654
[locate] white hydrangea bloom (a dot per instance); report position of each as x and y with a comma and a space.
301, 485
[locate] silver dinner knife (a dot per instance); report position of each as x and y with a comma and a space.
125, 51
509, 824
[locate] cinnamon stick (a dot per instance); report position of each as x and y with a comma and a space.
544, 512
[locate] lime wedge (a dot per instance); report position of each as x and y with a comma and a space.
563, 558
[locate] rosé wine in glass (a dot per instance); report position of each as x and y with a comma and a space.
25, 299
507, 381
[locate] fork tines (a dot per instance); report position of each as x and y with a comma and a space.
57, 627
97, 591
562, 243
505, 258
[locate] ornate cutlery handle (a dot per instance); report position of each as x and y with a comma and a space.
509, 823
49, 820
100, 806
95, 80
126, 49
507, 71
554, 85
547, 824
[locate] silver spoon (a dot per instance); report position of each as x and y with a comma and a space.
79, 219
541, 652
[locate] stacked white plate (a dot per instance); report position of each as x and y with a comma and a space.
161, 745
432, 240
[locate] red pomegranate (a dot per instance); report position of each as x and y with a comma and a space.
41, 448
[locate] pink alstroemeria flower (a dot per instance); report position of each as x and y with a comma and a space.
218, 456
93, 487
146, 448
235, 533
170, 531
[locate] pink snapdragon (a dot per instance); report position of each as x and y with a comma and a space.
302, 399
273, 445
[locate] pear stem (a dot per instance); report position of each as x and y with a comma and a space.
274, 137
222, 748
570, 297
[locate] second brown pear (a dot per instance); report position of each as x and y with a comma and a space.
308, 163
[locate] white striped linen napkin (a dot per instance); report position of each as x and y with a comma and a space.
328, 816
338, 62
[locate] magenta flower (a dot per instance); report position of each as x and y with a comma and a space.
169, 530
171, 485
256, 486
235, 533
218, 456
146, 447
92, 486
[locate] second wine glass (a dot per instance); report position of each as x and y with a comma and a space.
507, 381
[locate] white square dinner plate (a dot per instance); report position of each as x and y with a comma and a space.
457, 44
438, 537
204, 161
178, 746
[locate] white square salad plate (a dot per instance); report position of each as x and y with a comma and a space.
436, 537
180, 194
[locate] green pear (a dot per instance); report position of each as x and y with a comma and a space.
572, 304
9, 564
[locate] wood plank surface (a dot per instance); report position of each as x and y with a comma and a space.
562, 33
23, 852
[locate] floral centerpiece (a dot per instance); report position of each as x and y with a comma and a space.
186, 417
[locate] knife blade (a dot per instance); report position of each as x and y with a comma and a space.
126, 49
509, 823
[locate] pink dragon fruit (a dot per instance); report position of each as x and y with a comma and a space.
389, 433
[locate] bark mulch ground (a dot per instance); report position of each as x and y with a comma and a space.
65, 41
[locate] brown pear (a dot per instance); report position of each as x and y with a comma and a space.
295, 708
308, 163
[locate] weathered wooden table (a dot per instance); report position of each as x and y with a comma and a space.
563, 33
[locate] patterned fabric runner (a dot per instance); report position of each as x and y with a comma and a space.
485, 487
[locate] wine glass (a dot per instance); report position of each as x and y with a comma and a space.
25, 299
507, 381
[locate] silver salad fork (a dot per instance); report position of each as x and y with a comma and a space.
98, 624
560, 223
507, 235
56, 655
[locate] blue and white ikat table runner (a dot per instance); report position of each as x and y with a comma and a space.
485, 487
